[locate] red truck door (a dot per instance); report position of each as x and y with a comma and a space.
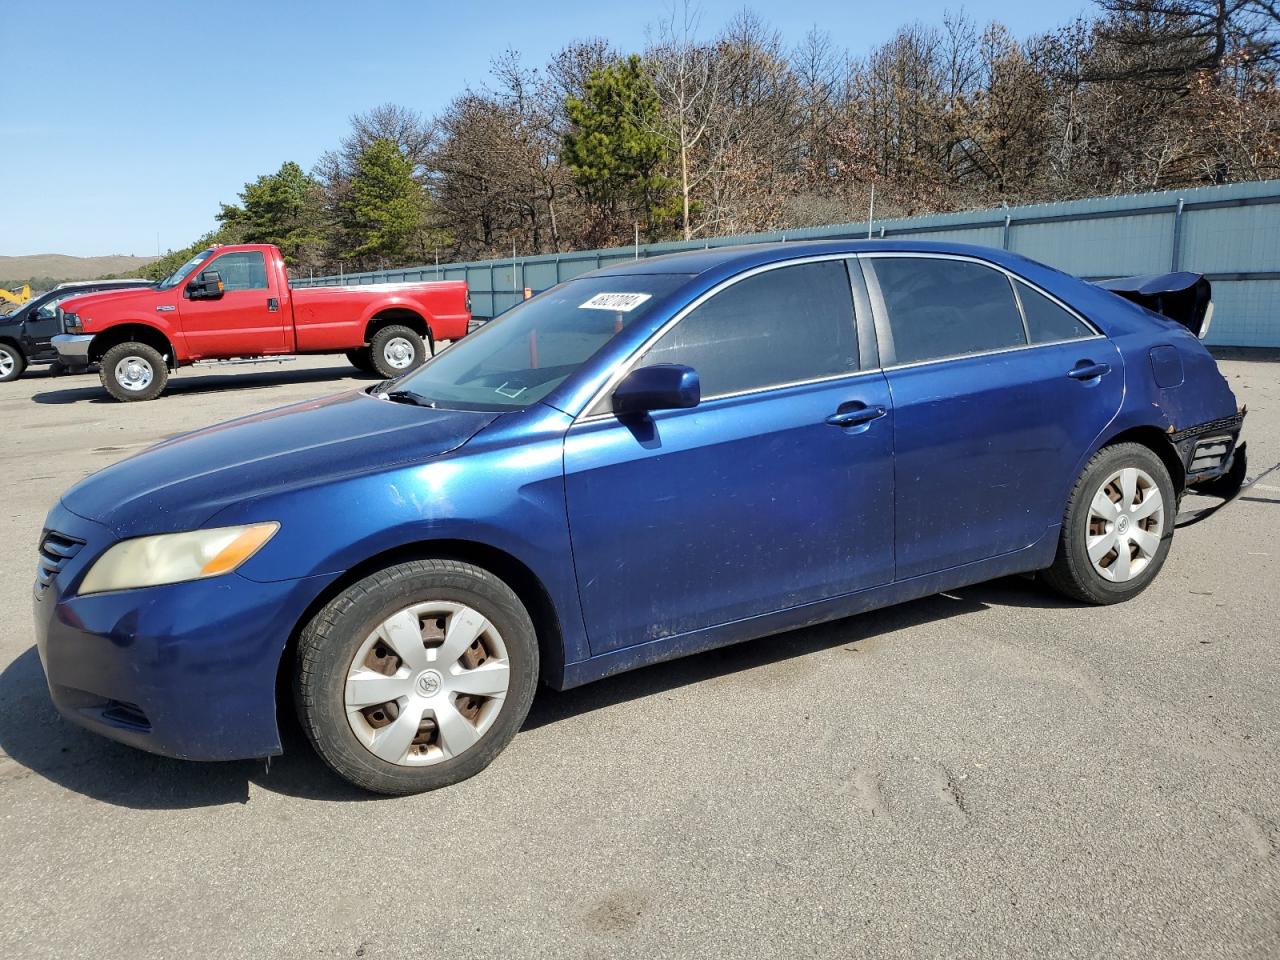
247, 320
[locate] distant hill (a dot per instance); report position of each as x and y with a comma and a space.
14, 271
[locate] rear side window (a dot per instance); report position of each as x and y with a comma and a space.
241, 271
946, 308
1046, 321
781, 326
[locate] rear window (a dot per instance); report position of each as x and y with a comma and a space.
1046, 321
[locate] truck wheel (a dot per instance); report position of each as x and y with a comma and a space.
1118, 526
12, 362
396, 350
361, 359
133, 371
417, 676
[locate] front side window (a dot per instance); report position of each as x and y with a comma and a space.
1046, 321
240, 271
520, 357
781, 326
946, 308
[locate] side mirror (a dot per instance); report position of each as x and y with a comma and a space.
664, 386
207, 286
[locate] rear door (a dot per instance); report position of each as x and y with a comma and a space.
998, 390
775, 491
246, 320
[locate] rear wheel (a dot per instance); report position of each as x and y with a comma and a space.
395, 350
133, 371
12, 362
1118, 526
417, 676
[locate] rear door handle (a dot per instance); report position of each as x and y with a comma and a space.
853, 418
1087, 370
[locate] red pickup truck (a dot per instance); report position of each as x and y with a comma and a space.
234, 302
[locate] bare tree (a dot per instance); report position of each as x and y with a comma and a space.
687, 79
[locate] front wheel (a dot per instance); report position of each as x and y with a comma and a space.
395, 350
133, 371
12, 362
1118, 526
417, 676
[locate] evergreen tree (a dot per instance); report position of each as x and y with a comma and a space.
283, 208
611, 148
385, 207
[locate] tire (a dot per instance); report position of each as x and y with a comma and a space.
133, 371
395, 350
12, 362
361, 359
1108, 577
1229, 484
369, 743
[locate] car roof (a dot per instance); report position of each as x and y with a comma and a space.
731, 259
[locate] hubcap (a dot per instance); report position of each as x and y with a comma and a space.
398, 352
427, 684
134, 373
1126, 521
6, 363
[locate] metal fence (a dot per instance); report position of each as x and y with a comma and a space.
1230, 233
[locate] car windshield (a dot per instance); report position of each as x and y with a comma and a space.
184, 271
520, 357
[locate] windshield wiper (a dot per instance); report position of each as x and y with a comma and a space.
408, 396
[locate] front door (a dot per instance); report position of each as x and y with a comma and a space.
751, 502
991, 411
247, 320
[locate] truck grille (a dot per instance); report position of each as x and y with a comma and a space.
55, 550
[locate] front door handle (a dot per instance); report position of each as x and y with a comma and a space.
854, 418
1087, 370
273, 304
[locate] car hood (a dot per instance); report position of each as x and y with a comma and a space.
183, 482
126, 296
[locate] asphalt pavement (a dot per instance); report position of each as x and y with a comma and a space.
992, 773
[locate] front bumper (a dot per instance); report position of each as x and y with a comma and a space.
186, 670
73, 348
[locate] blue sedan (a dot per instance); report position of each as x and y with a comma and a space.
640, 463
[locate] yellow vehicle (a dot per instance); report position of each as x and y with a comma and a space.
18, 298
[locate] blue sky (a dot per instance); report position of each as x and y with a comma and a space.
124, 121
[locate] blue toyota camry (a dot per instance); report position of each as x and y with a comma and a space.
637, 464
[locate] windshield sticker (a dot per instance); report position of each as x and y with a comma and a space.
621, 302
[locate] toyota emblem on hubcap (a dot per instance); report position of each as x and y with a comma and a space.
429, 683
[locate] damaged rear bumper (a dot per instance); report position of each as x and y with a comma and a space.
1208, 450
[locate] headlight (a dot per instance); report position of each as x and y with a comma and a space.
70, 321
175, 557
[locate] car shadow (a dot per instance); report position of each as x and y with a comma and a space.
36, 741
213, 383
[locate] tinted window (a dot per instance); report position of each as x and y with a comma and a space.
780, 326
1046, 321
241, 271
947, 308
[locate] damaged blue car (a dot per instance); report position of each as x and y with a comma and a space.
637, 464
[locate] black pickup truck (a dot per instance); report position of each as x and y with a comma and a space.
26, 333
